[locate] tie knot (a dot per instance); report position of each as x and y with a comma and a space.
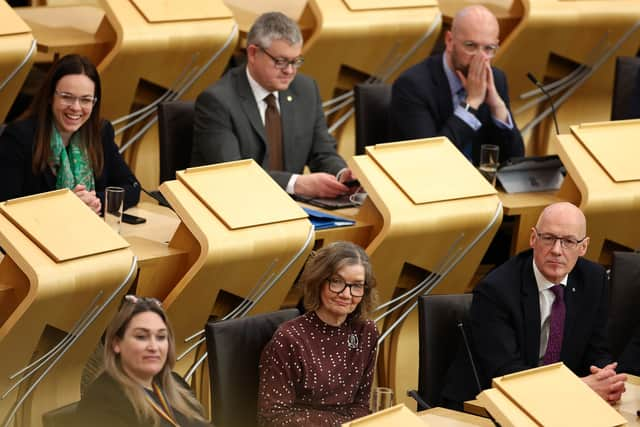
270, 100
558, 291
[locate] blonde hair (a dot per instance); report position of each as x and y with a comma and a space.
325, 263
177, 396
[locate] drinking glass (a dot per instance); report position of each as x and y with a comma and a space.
382, 398
489, 160
113, 203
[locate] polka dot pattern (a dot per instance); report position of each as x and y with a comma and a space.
310, 376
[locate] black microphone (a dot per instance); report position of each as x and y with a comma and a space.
473, 368
155, 195
417, 398
544, 91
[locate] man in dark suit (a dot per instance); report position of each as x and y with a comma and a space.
542, 306
458, 94
267, 112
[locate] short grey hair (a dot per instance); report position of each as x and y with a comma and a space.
272, 26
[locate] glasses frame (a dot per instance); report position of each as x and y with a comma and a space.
548, 239
283, 63
471, 48
334, 279
70, 99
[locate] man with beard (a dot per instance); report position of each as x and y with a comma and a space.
267, 112
458, 94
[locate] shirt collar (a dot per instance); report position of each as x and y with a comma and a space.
259, 93
454, 82
542, 282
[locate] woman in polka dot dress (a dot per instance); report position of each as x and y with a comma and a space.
317, 369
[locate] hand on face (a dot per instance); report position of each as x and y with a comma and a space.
88, 197
496, 104
475, 82
319, 184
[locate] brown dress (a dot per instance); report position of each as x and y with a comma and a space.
314, 374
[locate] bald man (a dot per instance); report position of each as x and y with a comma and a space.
458, 94
519, 322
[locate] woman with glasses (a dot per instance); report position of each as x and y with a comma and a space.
317, 369
63, 143
137, 387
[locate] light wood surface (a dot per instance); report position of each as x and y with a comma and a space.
40, 302
15, 42
448, 418
610, 207
410, 240
551, 39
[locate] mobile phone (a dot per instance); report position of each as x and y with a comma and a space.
352, 183
132, 219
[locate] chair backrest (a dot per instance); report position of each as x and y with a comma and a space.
372, 101
439, 338
626, 88
234, 347
175, 135
61, 417
624, 292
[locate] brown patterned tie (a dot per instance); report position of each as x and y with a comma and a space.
273, 126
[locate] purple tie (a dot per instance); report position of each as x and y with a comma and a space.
556, 327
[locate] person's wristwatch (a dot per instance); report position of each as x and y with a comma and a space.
469, 108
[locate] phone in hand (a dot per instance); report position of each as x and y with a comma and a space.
352, 183
132, 219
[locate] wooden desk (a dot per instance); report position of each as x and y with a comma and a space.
448, 418
68, 29
627, 406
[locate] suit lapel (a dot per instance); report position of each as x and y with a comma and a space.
287, 100
531, 310
440, 81
248, 103
572, 295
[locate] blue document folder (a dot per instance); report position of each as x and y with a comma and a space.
323, 220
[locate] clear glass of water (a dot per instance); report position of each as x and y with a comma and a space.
382, 398
113, 203
489, 161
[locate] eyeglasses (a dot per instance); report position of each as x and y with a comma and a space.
549, 239
472, 48
283, 63
70, 99
337, 285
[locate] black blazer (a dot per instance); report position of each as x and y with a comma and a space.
227, 126
629, 360
421, 107
17, 178
105, 404
505, 324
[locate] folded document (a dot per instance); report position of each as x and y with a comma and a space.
323, 220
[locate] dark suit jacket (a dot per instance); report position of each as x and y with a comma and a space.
105, 404
629, 360
227, 126
505, 324
421, 107
17, 178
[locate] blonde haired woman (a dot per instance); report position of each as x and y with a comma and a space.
137, 387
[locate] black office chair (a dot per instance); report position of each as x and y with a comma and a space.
61, 417
625, 102
234, 348
624, 295
371, 104
175, 135
439, 340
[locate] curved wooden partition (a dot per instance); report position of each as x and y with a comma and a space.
602, 170
16, 56
554, 39
62, 263
235, 239
425, 198
161, 46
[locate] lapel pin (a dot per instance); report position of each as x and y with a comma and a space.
289, 98
573, 289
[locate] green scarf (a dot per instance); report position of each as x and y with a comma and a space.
72, 166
